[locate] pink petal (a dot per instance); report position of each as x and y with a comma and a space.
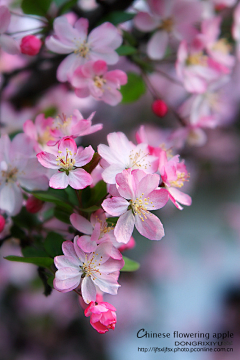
68, 66
47, 160
67, 144
145, 22
63, 261
9, 45
111, 97
126, 184
106, 283
100, 67
79, 179
109, 174
116, 77
88, 290
5, 17
66, 285
124, 227
157, 45
157, 199
57, 46
149, 183
180, 196
81, 224
82, 93
86, 244
81, 25
115, 206
105, 35
59, 180
149, 226
84, 156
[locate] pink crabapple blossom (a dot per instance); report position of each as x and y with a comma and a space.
93, 79
97, 231
102, 316
92, 271
18, 168
123, 154
174, 174
74, 126
138, 193
196, 69
100, 44
170, 18
67, 162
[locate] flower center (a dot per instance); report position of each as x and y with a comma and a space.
45, 137
167, 24
197, 59
138, 160
139, 206
10, 175
99, 81
222, 46
65, 162
90, 266
181, 178
82, 48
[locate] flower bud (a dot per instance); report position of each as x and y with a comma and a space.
102, 316
2, 223
33, 205
159, 108
30, 45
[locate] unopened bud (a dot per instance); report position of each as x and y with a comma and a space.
159, 108
30, 45
33, 205
2, 223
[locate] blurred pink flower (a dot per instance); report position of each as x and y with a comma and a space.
7, 43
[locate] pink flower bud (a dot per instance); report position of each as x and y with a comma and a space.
102, 316
159, 108
131, 244
30, 45
33, 205
2, 223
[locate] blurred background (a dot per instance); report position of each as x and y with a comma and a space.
187, 282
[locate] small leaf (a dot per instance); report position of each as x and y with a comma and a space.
130, 265
58, 197
50, 280
36, 7
98, 193
91, 209
39, 261
126, 50
134, 88
66, 5
112, 220
117, 17
72, 196
25, 220
53, 244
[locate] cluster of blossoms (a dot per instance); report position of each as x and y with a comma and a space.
44, 165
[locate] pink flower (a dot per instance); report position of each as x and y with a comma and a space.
7, 43
169, 18
90, 271
93, 79
138, 193
30, 45
174, 174
39, 131
19, 168
98, 45
102, 316
74, 126
97, 231
123, 154
68, 162
197, 70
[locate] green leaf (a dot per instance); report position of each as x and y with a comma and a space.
125, 50
134, 88
130, 265
53, 244
62, 215
50, 280
98, 192
66, 5
91, 209
129, 38
112, 220
117, 17
30, 251
58, 197
72, 196
36, 7
39, 261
